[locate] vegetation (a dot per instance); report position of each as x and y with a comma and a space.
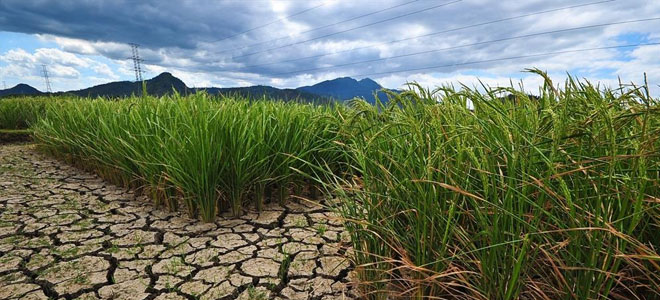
16, 113
447, 194
210, 156
555, 198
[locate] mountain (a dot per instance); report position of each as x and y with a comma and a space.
20, 89
339, 89
346, 88
157, 86
270, 92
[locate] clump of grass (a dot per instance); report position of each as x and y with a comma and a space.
254, 293
17, 113
506, 198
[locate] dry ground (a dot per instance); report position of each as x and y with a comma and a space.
66, 234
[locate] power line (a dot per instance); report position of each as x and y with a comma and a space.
321, 27
135, 56
267, 24
509, 58
45, 74
473, 44
435, 33
351, 29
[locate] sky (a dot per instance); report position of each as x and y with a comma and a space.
292, 43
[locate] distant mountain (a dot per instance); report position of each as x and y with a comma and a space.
270, 92
160, 85
20, 89
339, 89
346, 88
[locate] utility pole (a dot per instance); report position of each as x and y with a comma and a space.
45, 73
136, 61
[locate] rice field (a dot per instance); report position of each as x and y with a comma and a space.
19, 113
451, 193
207, 156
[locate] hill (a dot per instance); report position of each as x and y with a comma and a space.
20, 89
259, 91
346, 88
160, 85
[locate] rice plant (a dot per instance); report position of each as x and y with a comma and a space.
207, 154
463, 193
519, 197
16, 113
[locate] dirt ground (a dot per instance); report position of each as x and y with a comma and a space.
66, 234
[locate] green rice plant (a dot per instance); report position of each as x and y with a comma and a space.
290, 139
245, 154
20, 113
265, 133
86, 132
212, 155
174, 147
517, 198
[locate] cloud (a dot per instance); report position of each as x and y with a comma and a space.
104, 69
190, 38
64, 68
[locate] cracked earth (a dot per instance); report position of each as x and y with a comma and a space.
66, 234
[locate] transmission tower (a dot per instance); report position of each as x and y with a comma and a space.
45, 73
136, 61
4, 85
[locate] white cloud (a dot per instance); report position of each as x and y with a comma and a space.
104, 69
65, 69
60, 71
18, 56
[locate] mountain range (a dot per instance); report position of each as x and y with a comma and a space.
339, 89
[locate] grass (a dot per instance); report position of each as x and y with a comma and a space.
548, 198
255, 294
16, 113
206, 155
81, 279
321, 229
459, 194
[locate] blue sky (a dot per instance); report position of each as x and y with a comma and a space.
86, 43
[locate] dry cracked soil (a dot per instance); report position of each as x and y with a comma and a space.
67, 234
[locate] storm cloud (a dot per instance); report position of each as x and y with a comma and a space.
227, 43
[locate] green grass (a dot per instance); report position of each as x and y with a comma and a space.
205, 154
16, 113
555, 198
447, 193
